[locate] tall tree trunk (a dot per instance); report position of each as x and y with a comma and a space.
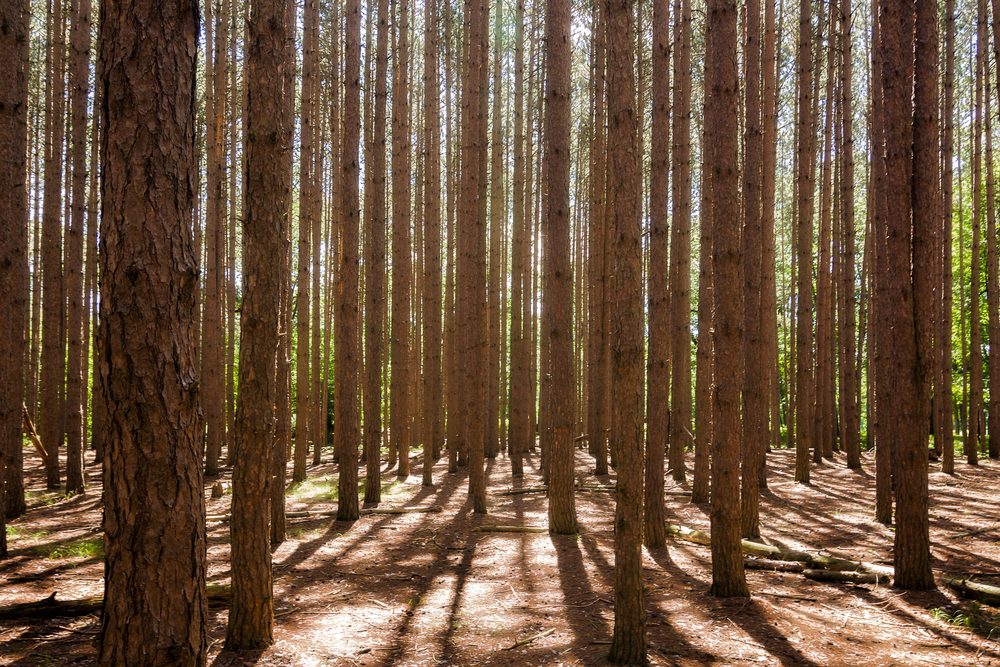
400, 384
375, 270
910, 130
755, 412
14, 42
680, 244
346, 340
598, 418
155, 605
53, 362
945, 433
658, 360
213, 367
628, 643
307, 209
558, 295
471, 256
728, 578
251, 613
975, 429
433, 424
804, 305
75, 390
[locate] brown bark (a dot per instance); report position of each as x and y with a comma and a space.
433, 422
628, 643
15, 16
79, 67
945, 433
680, 244
251, 613
375, 233
558, 295
346, 340
704, 353
307, 209
910, 131
402, 264
155, 602
519, 420
804, 304
975, 428
213, 337
755, 396
658, 359
53, 371
497, 267
471, 257
728, 578
850, 430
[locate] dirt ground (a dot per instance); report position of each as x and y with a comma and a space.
427, 589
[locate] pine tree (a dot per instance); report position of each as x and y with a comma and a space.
558, 294
15, 16
155, 610
628, 643
251, 613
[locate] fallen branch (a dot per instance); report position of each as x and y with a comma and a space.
500, 528
528, 640
51, 607
841, 577
980, 531
310, 514
773, 565
29, 427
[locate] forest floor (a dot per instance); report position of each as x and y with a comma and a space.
428, 589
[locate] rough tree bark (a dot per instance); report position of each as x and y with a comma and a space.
155, 606
558, 295
251, 612
346, 341
15, 17
628, 643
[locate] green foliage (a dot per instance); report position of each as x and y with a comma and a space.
88, 548
20, 532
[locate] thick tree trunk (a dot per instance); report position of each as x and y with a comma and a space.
680, 244
658, 359
755, 395
804, 305
75, 389
628, 644
557, 302
375, 269
400, 384
251, 613
346, 340
721, 121
53, 366
432, 432
155, 602
15, 16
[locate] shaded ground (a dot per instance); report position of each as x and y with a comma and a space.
426, 589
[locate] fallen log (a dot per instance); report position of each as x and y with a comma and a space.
843, 577
309, 514
51, 607
774, 565
501, 528
963, 585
